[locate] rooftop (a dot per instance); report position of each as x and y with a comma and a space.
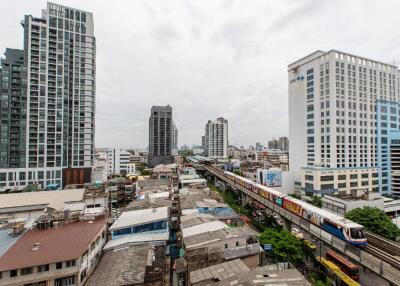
142, 216
6, 240
265, 276
133, 265
196, 219
139, 238
153, 183
218, 272
206, 228
54, 199
162, 169
60, 243
209, 236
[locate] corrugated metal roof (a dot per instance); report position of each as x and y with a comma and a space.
204, 227
219, 271
137, 238
54, 199
140, 217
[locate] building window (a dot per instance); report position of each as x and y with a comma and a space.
70, 263
58, 265
43, 268
13, 273
309, 177
342, 177
326, 178
353, 176
353, 184
26, 271
226, 246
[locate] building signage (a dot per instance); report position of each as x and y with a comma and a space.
298, 78
268, 247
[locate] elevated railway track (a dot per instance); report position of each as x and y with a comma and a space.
380, 256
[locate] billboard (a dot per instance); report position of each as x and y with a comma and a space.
272, 178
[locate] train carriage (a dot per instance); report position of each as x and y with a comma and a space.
338, 226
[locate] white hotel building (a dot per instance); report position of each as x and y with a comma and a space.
335, 123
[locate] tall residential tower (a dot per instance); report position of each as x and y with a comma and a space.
60, 60
216, 138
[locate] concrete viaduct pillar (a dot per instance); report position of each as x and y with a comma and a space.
287, 224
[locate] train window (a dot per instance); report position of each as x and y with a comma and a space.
357, 233
327, 222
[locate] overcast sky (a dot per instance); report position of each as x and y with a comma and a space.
211, 58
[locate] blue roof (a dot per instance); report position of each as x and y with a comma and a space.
6, 241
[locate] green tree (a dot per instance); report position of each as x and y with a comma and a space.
317, 201
296, 196
237, 172
141, 167
374, 220
145, 173
285, 247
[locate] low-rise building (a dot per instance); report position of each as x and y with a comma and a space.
218, 272
139, 264
342, 204
117, 161
62, 255
320, 180
154, 220
99, 171
28, 206
208, 248
162, 171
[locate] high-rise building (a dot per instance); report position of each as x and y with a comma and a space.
284, 144
273, 144
13, 110
160, 135
259, 146
174, 139
216, 138
60, 60
203, 141
339, 111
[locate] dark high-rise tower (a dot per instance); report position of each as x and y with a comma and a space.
13, 110
160, 135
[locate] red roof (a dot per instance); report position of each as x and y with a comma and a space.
60, 243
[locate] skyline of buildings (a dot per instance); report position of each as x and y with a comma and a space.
54, 93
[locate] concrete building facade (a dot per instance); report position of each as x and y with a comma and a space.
216, 138
60, 59
333, 111
13, 110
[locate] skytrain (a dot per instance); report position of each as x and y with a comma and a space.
338, 226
